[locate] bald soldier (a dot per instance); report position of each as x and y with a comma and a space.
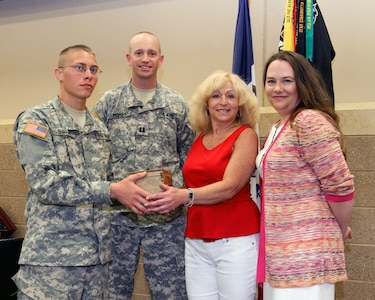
147, 122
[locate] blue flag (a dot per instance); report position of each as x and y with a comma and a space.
243, 66
243, 58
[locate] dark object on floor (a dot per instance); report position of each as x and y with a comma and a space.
9, 254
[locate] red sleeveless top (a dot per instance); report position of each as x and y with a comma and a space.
238, 216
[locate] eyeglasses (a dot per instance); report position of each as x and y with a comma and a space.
80, 68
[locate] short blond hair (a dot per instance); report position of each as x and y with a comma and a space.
64, 54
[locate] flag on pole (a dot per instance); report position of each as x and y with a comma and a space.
243, 57
243, 66
289, 26
304, 31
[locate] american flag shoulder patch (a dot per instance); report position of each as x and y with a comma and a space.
36, 130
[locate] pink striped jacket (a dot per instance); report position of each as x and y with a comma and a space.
301, 242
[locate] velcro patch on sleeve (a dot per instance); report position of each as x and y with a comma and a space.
36, 130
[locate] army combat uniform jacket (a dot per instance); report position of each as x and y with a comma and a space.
66, 169
151, 136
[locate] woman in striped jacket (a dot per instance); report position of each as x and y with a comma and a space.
307, 189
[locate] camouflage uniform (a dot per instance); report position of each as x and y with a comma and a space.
66, 168
150, 136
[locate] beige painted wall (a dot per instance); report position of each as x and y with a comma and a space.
196, 35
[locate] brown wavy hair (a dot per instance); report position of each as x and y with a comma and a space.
311, 88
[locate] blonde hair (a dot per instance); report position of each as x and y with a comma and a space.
248, 113
64, 54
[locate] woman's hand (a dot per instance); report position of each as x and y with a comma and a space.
348, 233
166, 201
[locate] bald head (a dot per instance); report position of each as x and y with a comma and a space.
144, 36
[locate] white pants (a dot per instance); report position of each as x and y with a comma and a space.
224, 269
325, 291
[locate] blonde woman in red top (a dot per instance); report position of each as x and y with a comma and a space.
221, 246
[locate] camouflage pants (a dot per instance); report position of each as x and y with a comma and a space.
163, 253
63, 283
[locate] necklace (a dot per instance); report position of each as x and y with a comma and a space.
259, 161
274, 134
